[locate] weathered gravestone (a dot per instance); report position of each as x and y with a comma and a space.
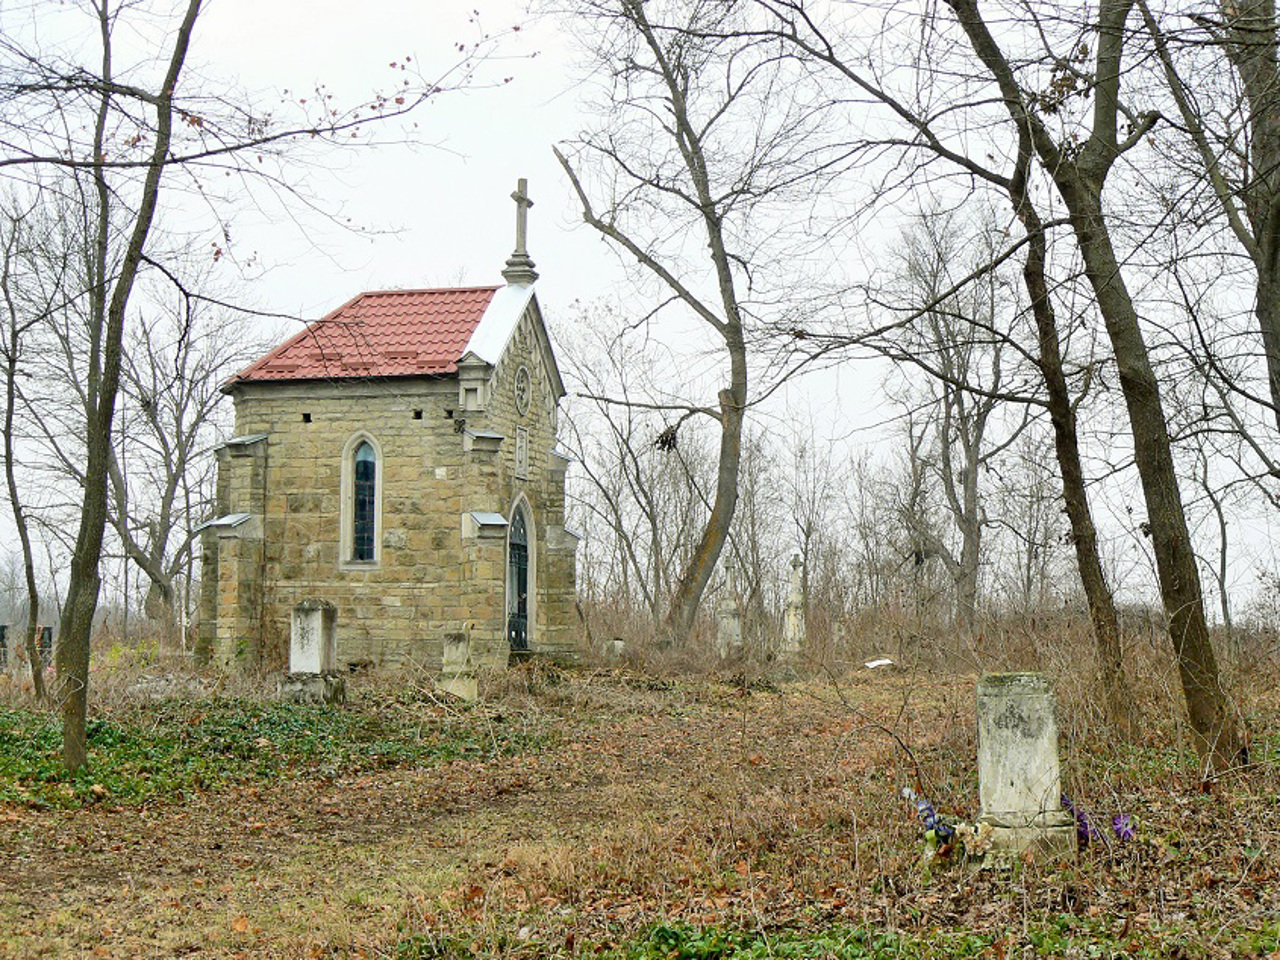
1018, 775
44, 642
468, 653
170, 686
458, 675
728, 627
313, 648
793, 617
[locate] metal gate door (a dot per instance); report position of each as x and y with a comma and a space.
518, 583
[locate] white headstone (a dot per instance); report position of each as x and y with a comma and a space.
793, 617
1018, 776
313, 640
456, 653
728, 627
457, 671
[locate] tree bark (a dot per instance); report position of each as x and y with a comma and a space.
73, 651
1084, 535
1217, 738
1080, 176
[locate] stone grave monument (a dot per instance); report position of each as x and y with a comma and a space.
313, 649
793, 617
728, 627
465, 655
1018, 776
458, 674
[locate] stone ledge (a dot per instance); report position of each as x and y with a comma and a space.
1042, 841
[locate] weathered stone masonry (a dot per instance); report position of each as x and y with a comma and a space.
449, 486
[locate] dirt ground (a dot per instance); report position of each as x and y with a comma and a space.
763, 806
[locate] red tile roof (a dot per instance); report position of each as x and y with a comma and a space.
383, 333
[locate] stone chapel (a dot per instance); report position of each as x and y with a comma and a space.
397, 460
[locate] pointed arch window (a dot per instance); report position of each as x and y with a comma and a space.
365, 506
521, 577
361, 520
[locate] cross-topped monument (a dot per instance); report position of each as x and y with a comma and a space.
520, 264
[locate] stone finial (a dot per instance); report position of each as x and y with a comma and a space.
797, 579
520, 265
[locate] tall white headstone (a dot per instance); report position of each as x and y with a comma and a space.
728, 627
1019, 783
793, 616
313, 646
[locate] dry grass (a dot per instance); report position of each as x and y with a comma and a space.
738, 798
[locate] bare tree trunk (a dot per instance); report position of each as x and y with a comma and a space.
693, 582
1217, 738
970, 557
672, 60
15, 331
85, 579
1219, 569
15, 503
1080, 176
1084, 535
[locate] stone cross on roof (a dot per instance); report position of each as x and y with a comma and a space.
520, 264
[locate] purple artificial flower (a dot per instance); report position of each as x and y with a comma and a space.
928, 815
1122, 824
1085, 830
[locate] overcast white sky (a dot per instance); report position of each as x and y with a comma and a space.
447, 206
440, 214
448, 203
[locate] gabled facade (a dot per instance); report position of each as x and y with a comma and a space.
396, 459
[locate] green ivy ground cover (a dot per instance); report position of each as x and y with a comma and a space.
170, 749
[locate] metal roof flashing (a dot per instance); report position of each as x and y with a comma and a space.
499, 322
245, 441
230, 521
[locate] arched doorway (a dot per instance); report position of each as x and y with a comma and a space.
518, 581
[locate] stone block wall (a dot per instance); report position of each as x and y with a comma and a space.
429, 579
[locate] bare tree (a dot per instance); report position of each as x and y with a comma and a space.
701, 131
639, 492
107, 136
1079, 172
940, 115
1030, 516
817, 488
876, 557
957, 330
27, 303
1240, 152
173, 367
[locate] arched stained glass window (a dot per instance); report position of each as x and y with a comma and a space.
364, 509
